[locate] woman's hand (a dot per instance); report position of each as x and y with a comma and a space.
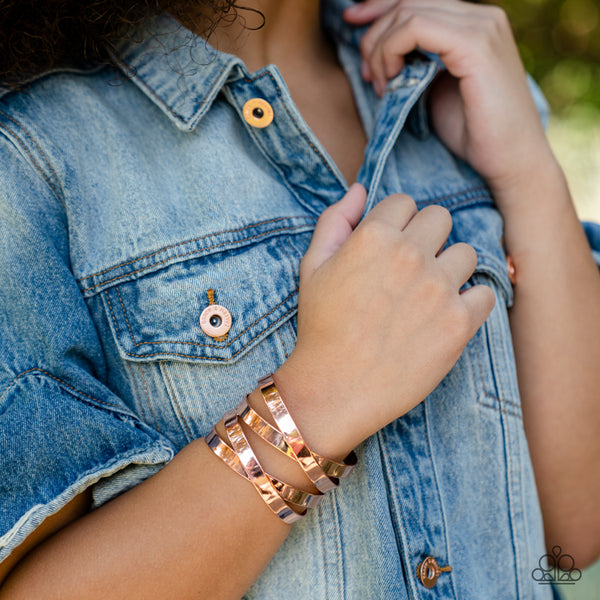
380, 318
481, 108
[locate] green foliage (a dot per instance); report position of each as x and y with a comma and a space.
559, 41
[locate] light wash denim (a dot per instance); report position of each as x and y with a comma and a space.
124, 198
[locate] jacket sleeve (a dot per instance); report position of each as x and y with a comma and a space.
592, 231
61, 429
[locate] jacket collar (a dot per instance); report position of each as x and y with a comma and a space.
183, 74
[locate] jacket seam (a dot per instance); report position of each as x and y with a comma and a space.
21, 143
62, 382
197, 251
125, 315
149, 402
504, 404
479, 192
175, 400
292, 262
202, 237
439, 495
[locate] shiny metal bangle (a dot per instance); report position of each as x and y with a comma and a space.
292, 435
301, 498
267, 432
254, 471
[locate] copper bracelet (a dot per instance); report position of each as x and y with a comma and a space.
274, 437
290, 494
293, 437
254, 471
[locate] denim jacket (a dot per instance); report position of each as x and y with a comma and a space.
124, 199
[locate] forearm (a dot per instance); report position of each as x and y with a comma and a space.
556, 330
193, 530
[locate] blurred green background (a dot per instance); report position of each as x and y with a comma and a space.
559, 41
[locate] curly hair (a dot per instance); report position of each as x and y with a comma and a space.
36, 37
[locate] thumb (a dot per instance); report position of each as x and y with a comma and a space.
367, 11
334, 226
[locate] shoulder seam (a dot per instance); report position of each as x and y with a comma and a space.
47, 178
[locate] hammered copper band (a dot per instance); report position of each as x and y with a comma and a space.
254, 471
290, 494
274, 437
288, 428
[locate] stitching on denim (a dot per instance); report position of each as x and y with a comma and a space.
498, 405
37, 166
336, 543
217, 358
509, 486
472, 348
198, 344
439, 496
125, 315
292, 331
322, 533
478, 191
512, 475
112, 314
293, 119
292, 262
301, 132
295, 250
282, 343
154, 94
202, 237
199, 251
173, 396
400, 531
521, 502
496, 361
42, 154
38, 370
130, 368
148, 399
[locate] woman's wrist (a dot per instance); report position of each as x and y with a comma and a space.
535, 207
542, 171
327, 431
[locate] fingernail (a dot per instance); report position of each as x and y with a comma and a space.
379, 87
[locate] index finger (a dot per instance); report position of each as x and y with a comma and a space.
396, 210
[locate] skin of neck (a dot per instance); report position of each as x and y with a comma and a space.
290, 37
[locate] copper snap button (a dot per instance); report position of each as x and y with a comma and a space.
258, 112
512, 270
428, 571
215, 320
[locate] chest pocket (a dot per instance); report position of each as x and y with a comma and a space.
155, 311
178, 375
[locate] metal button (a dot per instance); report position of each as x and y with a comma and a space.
428, 571
215, 321
258, 113
512, 270
410, 82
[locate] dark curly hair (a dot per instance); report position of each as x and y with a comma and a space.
39, 35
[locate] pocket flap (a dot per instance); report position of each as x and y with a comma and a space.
157, 314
